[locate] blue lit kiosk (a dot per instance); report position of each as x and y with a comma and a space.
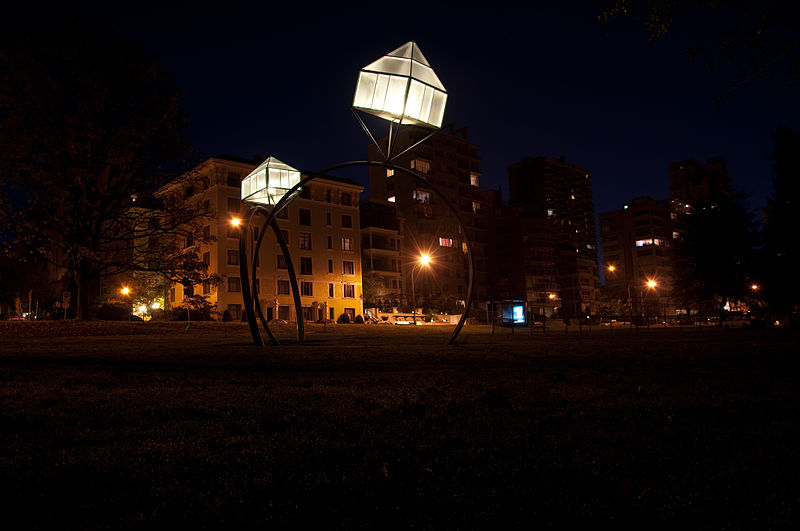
401, 88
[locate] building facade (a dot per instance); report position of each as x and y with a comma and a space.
321, 228
547, 237
425, 224
380, 255
638, 252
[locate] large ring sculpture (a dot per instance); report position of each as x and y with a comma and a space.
249, 286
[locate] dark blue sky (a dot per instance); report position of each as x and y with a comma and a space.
544, 79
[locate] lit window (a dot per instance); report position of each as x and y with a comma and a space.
389, 172
550, 212
474, 179
422, 196
572, 196
349, 291
422, 166
391, 199
347, 244
445, 242
476, 207
348, 267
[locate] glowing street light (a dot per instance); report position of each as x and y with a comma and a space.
612, 268
651, 284
236, 222
754, 287
126, 291
423, 260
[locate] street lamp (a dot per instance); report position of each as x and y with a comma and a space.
613, 269
651, 285
126, 291
423, 260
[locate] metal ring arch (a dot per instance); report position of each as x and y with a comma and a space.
249, 296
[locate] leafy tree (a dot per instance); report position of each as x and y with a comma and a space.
373, 286
88, 129
715, 254
781, 237
758, 38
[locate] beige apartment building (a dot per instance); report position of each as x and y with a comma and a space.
321, 228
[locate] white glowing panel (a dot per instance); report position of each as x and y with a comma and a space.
268, 183
402, 87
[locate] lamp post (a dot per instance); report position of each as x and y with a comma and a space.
613, 269
126, 291
651, 285
423, 260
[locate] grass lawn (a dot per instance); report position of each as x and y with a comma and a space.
126, 425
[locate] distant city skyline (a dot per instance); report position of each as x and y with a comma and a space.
539, 80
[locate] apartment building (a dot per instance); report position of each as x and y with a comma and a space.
380, 254
321, 227
638, 253
547, 238
427, 226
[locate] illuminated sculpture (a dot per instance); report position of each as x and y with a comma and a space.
268, 183
400, 87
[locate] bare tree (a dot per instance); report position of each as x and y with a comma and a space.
89, 128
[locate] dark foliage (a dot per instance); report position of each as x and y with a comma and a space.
715, 255
757, 38
781, 237
88, 129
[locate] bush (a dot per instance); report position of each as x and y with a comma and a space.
180, 314
359, 319
343, 319
113, 312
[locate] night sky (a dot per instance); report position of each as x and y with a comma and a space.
545, 79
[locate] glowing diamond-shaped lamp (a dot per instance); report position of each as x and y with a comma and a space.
403, 88
268, 183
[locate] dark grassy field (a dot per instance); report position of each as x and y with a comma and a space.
136, 425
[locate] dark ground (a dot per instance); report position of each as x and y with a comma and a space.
141, 425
